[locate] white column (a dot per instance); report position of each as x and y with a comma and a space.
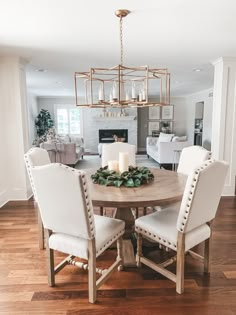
224, 118
13, 130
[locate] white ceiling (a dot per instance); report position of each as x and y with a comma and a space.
63, 36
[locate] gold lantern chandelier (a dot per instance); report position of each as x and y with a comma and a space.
122, 86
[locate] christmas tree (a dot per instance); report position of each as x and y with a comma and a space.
43, 123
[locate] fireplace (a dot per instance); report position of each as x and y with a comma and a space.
110, 135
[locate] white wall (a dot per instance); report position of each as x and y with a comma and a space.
180, 119
191, 100
49, 102
14, 183
32, 107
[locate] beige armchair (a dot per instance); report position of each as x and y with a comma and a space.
181, 231
65, 153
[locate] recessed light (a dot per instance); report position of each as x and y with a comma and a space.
41, 70
197, 70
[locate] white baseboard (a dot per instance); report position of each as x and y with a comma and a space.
3, 198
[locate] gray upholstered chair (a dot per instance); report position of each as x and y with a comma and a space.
70, 224
36, 157
181, 231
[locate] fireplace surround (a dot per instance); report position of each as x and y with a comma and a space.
110, 135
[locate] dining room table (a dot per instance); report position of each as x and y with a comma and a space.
166, 188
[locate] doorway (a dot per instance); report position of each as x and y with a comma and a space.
142, 128
198, 123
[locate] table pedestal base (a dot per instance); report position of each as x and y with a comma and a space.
126, 215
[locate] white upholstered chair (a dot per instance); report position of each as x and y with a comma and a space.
70, 224
36, 157
111, 152
191, 157
188, 228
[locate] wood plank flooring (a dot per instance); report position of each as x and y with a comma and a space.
23, 279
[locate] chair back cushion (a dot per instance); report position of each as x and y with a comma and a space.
35, 157
202, 195
191, 157
111, 152
63, 200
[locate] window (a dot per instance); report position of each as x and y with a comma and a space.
68, 120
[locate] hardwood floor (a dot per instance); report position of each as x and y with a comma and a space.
23, 279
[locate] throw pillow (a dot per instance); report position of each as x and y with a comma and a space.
64, 138
179, 139
77, 140
165, 137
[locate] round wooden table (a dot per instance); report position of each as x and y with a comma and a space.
167, 187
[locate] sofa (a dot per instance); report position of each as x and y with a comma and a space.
68, 152
166, 148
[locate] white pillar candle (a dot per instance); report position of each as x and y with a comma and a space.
123, 162
113, 165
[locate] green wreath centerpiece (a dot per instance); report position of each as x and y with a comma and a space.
134, 177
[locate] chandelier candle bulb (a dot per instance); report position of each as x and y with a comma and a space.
127, 98
100, 94
113, 165
140, 98
114, 91
123, 162
144, 95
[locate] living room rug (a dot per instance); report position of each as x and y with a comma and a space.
94, 161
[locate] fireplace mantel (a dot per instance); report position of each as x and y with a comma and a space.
114, 118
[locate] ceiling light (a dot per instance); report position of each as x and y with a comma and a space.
197, 70
41, 70
122, 86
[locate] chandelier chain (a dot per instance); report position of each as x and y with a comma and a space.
121, 40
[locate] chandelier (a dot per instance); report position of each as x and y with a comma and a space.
122, 86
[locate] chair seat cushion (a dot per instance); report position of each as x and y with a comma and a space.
107, 230
161, 227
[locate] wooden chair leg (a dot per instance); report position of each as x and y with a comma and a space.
50, 261
144, 210
180, 263
92, 272
120, 253
207, 247
139, 250
40, 231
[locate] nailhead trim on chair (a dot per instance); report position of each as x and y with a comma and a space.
111, 241
29, 166
181, 227
156, 238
